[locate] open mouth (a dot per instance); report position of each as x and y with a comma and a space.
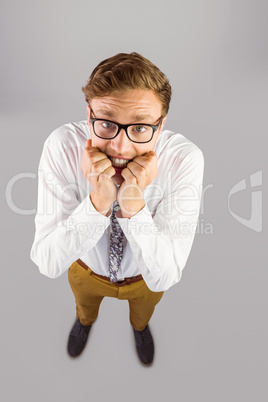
119, 163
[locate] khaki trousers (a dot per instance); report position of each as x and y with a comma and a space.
89, 290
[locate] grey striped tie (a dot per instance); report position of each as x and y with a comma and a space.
116, 244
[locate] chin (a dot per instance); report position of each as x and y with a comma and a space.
118, 179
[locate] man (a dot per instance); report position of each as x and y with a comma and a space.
118, 199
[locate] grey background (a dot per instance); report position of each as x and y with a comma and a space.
210, 329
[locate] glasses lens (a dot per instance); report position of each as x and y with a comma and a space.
140, 133
105, 129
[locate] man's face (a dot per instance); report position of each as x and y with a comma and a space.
130, 106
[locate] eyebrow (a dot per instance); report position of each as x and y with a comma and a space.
135, 118
106, 113
141, 117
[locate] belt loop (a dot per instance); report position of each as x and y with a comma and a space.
128, 280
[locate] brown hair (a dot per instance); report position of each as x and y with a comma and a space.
128, 71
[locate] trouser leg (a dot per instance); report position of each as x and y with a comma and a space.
88, 296
142, 303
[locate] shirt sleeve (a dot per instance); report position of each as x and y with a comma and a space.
161, 241
66, 227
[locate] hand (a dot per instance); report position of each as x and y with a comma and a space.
98, 170
138, 174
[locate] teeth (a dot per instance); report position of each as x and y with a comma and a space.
121, 163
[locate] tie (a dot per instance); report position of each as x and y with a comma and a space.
116, 244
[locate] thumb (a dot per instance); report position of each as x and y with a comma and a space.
150, 153
88, 144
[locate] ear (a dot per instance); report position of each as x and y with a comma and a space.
162, 124
88, 113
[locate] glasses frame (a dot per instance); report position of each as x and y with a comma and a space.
125, 128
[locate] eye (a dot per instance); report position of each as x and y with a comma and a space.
140, 129
107, 124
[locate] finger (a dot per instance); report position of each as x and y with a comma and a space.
146, 158
96, 156
89, 146
128, 176
137, 169
98, 168
88, 143
107, 174
101, 165
150, 153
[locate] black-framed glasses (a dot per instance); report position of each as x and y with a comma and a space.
139, 133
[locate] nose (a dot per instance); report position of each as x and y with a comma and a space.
121, 143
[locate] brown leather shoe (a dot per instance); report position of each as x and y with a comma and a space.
77, 338
144, 345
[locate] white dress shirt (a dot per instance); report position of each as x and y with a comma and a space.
158, 239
